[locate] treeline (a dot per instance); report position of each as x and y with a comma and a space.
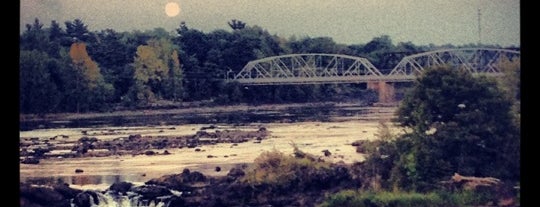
77, 70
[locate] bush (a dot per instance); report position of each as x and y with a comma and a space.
283, 174
477, 197
352, 198
383, 199
459, 124
276, 168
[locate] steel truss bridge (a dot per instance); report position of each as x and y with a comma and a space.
335, 68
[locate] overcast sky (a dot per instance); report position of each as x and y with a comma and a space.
346, 21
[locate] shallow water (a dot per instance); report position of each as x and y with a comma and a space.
313, 129
101, 172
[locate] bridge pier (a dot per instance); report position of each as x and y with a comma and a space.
385, 90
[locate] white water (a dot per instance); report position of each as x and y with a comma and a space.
108, 200
132, 199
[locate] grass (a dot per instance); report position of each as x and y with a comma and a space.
354, 198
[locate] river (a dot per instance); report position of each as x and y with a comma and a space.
312, 131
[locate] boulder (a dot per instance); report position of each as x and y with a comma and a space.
44, 196
120, 187
326, 153
86, 199
177, 201
236, 173
30, 160
151, 191
66, 191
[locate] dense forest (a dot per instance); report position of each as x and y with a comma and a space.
72, 69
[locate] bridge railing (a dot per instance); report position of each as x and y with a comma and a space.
336, 68
474, 60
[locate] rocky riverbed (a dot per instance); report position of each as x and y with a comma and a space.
82, 164
163, 164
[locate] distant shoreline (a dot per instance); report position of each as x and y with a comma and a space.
195, 114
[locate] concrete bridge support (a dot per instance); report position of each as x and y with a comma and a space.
385, 90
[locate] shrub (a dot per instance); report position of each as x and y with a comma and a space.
352, 198
276, 168
383, 199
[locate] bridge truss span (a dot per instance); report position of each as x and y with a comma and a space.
475, 60
308, 69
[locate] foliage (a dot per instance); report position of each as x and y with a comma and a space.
276, 168
83, 62
39, 94
157, 72
78, 31
459, 124
510, 83
354, 198
236, 24
274, 173
381, 156
91, 90
204, 60
350, 198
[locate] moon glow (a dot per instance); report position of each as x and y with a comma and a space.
172, 9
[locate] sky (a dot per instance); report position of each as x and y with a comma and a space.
421, 22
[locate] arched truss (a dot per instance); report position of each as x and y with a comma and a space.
308, 69
474, 60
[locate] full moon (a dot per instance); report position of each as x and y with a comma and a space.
172, 9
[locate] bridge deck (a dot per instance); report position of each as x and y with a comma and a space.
323, 80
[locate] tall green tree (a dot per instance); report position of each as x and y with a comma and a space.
34, 37
510, 83
78, 31
114, 57
173, 85
38, 93
459, 124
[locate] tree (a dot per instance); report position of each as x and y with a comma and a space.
78, 30
94, 92
157, 72
57, 38
459, 124
174, 89
510, 83
38, 94
236, 24
35, 37
314, 45
83, 62
114, 58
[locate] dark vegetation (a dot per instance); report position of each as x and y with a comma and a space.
72, 69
